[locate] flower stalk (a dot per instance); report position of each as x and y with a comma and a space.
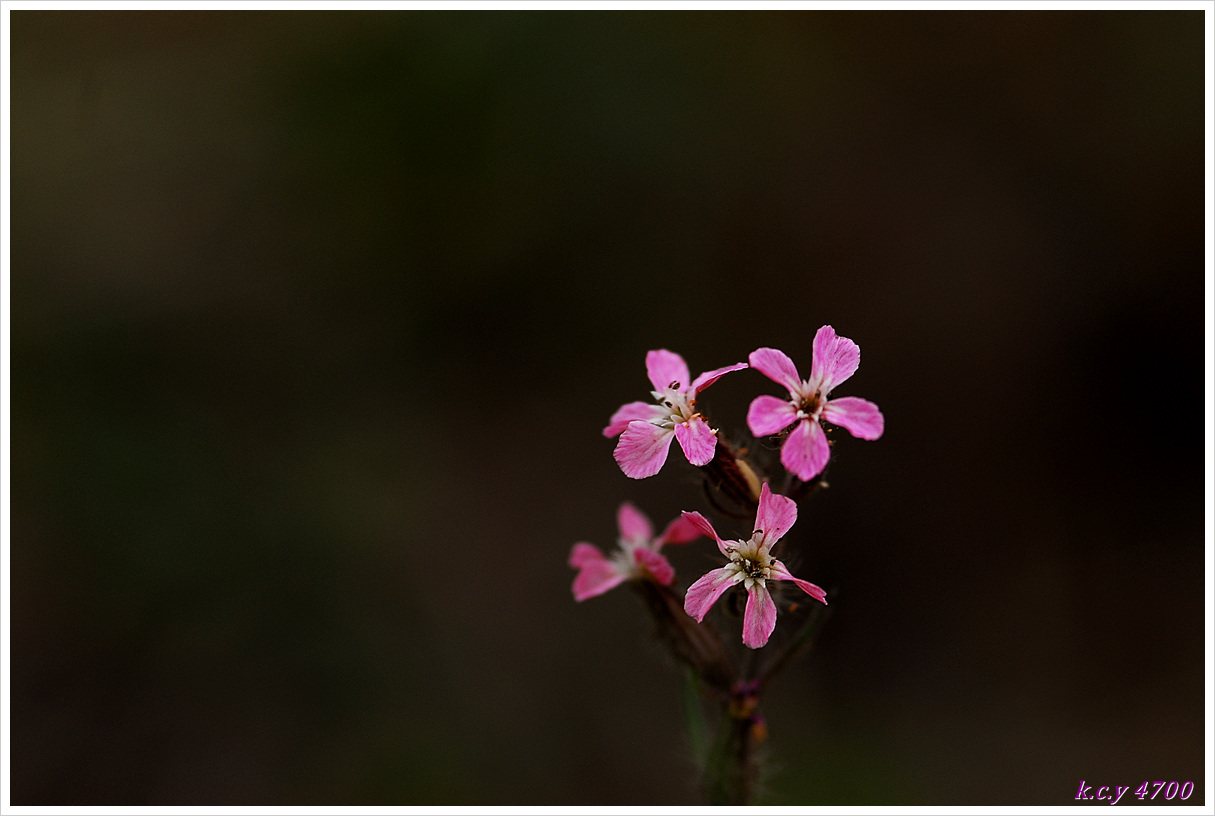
732, 772
700, 648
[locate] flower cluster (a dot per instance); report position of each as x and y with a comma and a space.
749, 579
646, 430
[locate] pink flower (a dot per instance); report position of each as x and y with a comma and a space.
805, 451
649, 427
636, 559
751, 565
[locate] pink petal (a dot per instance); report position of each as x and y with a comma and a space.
679, 531
701, 523
776, 366
776, 515
780, 573
656, 565
859, 417
759, 618
596, 578
835, 359
697, 440
642, 449
666, 367
769, 415
707, 589
583, 554
634, 526
805, 452
631, 411
709, 377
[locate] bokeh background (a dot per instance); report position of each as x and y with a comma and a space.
317, 317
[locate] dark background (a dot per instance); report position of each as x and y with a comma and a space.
317, 318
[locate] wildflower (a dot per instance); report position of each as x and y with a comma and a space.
805, 451
752, 565
637, 558
646, 429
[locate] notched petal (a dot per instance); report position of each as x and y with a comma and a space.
835, 359
775, 516
680, 531
701, 523
859, 417
709, 377
770, 415
806, 450
779, 572
584, 553
665, 367
642, 449
705, 592
596, 578
759, 618
644, 411
656, 565
776, 366
697, 440
633, 524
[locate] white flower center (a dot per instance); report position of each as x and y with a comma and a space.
623, 558
681, 408
750, 561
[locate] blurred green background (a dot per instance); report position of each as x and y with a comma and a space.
317, 318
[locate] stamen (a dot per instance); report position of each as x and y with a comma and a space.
753, 569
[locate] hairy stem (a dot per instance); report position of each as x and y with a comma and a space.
732, 770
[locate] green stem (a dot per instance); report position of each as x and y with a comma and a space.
732, 769
694, 719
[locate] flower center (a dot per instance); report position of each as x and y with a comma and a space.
751, 562
676, 401
623, 558
809, 403
753, 569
